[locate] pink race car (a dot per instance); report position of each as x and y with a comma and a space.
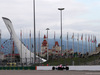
60, 67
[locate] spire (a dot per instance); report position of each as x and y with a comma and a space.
56, 43
45, 36
44, 43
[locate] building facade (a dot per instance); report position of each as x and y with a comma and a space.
56, 49
44, 47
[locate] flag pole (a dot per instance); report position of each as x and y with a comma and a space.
95, 43
78, 45
91, 43
30, 45
67, 40
12, 45
37, 50
95, 48
41, 53
39, 45
0, 39
82, 44
67, 44
73, 43
23, 42
21, 45
86, 42
54, 36
54, 44
27, 47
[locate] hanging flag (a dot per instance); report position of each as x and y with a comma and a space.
85, 37
82, 37
95, 40
73, 36
30, 33
78, 37
27, 46
20, 33
88, 38
0, 34
32, 45
77, 43
2, 46
73, 42
92, 41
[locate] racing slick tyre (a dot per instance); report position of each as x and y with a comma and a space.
67, 68
53, 68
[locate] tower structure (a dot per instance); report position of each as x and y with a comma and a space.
18, 43
44, 46
56, 49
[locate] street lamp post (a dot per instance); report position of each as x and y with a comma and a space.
61, 25
34, 32
48, 44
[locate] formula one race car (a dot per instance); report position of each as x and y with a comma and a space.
60, 67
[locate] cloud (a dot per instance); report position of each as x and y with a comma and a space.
77, 16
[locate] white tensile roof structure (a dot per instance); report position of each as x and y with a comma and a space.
20, 46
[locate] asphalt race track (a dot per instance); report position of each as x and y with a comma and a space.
34, 72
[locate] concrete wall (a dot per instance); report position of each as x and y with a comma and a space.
90, 68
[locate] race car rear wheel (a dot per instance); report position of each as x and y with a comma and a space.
67, 68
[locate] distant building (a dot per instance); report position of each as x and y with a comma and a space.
95, 51
15, 57
44, 47
12, 55
68, 51
1, 55
56, 49
99, 45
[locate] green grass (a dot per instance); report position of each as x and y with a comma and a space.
69, 61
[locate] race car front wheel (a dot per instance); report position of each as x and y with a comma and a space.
53, 68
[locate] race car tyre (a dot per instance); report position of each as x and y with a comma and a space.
67, 68
53, 68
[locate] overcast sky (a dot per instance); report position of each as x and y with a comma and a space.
79, 16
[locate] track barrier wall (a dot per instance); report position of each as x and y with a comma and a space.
88, 68
18, 68
78, 68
